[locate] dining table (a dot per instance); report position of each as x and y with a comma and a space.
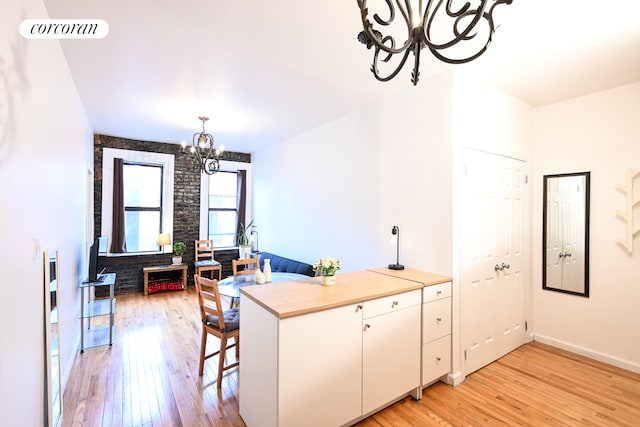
230, 286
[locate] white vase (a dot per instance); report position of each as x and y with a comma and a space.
267, 270
328, 280
260, 279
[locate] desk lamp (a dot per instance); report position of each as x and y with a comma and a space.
395, 231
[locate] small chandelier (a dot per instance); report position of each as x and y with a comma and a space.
425, 27
202, 146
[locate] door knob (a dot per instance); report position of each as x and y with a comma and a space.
507, 266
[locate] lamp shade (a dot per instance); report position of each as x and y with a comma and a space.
164, 239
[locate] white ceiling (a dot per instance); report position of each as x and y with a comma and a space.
264, 71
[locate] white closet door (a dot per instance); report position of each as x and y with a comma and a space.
492, 301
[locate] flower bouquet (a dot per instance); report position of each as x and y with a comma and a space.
327, 268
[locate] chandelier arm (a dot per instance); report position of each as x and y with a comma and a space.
392, 15
448, 60
405, 11
389, 55
196, 147
374, 66
462, 10
213, 166
461, 35
211, 149
378, 43
376, 39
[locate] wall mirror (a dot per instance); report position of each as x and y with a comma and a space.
565, 233
53, 394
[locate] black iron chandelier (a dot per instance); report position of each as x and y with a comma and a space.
202, 146
438, 26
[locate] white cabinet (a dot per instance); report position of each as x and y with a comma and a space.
390, 349
436, 332
329, 367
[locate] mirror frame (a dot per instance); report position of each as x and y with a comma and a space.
53, 389
587, 191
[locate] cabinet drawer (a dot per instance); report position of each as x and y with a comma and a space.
434, 292
391, 303
436, 359
436, 319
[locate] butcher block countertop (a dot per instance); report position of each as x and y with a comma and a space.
427, 279
305, 296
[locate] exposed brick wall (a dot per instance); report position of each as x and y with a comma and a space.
186, 211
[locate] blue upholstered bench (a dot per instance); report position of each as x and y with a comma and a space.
286, 265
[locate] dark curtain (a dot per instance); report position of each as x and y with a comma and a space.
241, 204
118, 244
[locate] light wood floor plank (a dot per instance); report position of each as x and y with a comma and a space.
149, 377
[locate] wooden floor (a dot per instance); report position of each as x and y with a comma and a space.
150, 378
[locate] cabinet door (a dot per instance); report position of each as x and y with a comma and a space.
390, 356
320, 375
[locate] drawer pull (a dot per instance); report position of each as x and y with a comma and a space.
439, 319
366, 326
438, 292
438, 359
358, 307
394, 304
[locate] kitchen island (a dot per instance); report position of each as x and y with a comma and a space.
318, 355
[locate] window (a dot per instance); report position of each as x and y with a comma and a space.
223, 201
219, 203
147, 186
142, 206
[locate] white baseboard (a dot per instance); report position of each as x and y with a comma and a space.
455, 378
596, 355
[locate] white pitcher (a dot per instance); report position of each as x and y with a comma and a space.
267, 270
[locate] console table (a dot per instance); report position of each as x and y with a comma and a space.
162, 269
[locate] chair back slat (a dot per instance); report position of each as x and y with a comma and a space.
209, 302
204, 249
250, 265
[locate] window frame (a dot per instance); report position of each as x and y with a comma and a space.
147, 208
225, 166
166, 161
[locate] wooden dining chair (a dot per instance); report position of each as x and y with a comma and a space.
243, 267
204, 260
223, 324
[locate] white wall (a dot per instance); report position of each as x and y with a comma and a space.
598, 133
337, 190
45, 150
